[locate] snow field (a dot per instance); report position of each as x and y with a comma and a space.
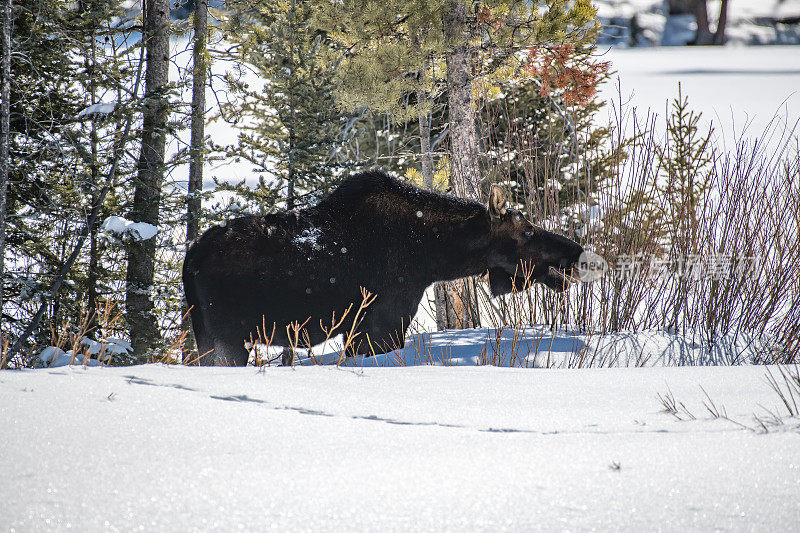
457, 448
739, 89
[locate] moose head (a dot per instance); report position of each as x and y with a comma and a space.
524, 253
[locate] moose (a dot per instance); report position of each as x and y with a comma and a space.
373, 232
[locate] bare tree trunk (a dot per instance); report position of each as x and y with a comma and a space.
92, 278
425, 147
464, 170
440, 304
194, 202
703, 36
144, 332
197, 143
680, 7
5, 129
722, 22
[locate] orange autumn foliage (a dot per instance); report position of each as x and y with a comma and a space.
559, 68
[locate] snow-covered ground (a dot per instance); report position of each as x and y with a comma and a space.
540, 347
733, 87
749, 22
394, 449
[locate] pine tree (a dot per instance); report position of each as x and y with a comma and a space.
99, 76
290, 127
685, 158
395, 48
56, 155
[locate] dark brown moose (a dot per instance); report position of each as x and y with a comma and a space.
373, 231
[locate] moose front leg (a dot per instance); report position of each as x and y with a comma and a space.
381, 332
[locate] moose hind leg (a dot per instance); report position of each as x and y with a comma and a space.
203, 338
230, 350
205, 349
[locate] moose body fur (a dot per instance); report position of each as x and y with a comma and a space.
373, 231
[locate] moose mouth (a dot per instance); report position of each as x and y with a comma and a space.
556, 278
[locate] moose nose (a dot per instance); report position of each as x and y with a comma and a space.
571, 263
572, 252
576, 258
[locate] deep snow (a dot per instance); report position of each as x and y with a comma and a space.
739, 89
420, 448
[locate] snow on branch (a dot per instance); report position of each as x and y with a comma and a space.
103, 108
127, 230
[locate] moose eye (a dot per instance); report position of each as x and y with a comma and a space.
518, 217
528, 233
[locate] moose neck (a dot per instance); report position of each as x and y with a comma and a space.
457, 250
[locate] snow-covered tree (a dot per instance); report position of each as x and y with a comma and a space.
67, 77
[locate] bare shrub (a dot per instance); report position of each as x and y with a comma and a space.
701, 238
787, 387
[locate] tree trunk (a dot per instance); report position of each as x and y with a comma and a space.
464, 171
5, 128
425, 146
194, 202
722, 22
144, 331
92, 277
680, 7
703, 36
197, 143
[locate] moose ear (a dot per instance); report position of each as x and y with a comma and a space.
497, 202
